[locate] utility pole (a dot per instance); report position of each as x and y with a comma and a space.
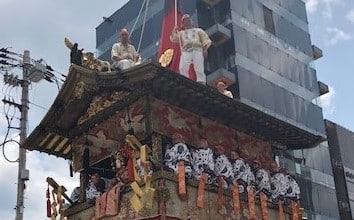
32, 71
23, 173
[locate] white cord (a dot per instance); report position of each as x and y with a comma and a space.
137, 18
143, 27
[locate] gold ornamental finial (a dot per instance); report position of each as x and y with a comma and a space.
166, 57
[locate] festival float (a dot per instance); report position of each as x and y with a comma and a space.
135, 126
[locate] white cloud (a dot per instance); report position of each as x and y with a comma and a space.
326, 6
327, 102
311, 5
336, 35
350, 16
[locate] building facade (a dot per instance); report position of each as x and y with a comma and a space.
341, 142
312, 169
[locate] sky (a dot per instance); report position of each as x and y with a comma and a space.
40, 26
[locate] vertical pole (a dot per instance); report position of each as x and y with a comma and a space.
175, 11
23, 135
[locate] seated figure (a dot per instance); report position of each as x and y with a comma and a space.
223, 167
293, 189
222, 88
123, 54
262, 181
95, 188
178, 152
203, 161
279, 184
242, 172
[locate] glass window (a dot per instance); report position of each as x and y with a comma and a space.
264, 55
236, 6
290, 105
278, 94
274, 59
240, 40
258, 14
327, 205
251, 47
244, 81
268, 96
268, 20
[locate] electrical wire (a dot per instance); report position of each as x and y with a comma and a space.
39, 106
9, 120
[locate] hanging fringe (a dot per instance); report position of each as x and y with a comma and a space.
251, 204
236, 199
281, 215
181, 179
201, 186
220, 198
130, 166
264, 208
49, 211
294, 210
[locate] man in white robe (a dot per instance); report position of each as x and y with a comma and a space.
194, 43
123, 54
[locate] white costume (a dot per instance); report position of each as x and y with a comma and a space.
293, 191
126, 55
92, 192
262, 181
203, 161
141, 169
193, 41
279, 186
243, 174
179, 152
223, 168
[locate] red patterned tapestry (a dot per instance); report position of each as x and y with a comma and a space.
109, 136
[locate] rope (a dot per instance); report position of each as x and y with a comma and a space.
179, 37
175, 13
137, 18
143, 27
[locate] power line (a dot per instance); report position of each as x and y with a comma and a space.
39, 106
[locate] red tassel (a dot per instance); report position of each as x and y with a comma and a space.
49, 210
130, 167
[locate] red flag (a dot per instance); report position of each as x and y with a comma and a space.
168, 24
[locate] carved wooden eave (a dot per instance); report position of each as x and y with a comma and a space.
87, 98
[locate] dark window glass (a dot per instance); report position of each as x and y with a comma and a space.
278, 94
268, 95
244, 80
268, 20
290, 105
240, 40
274, 59
346, 143
264, 56
258, 14
236, 6
251, 47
